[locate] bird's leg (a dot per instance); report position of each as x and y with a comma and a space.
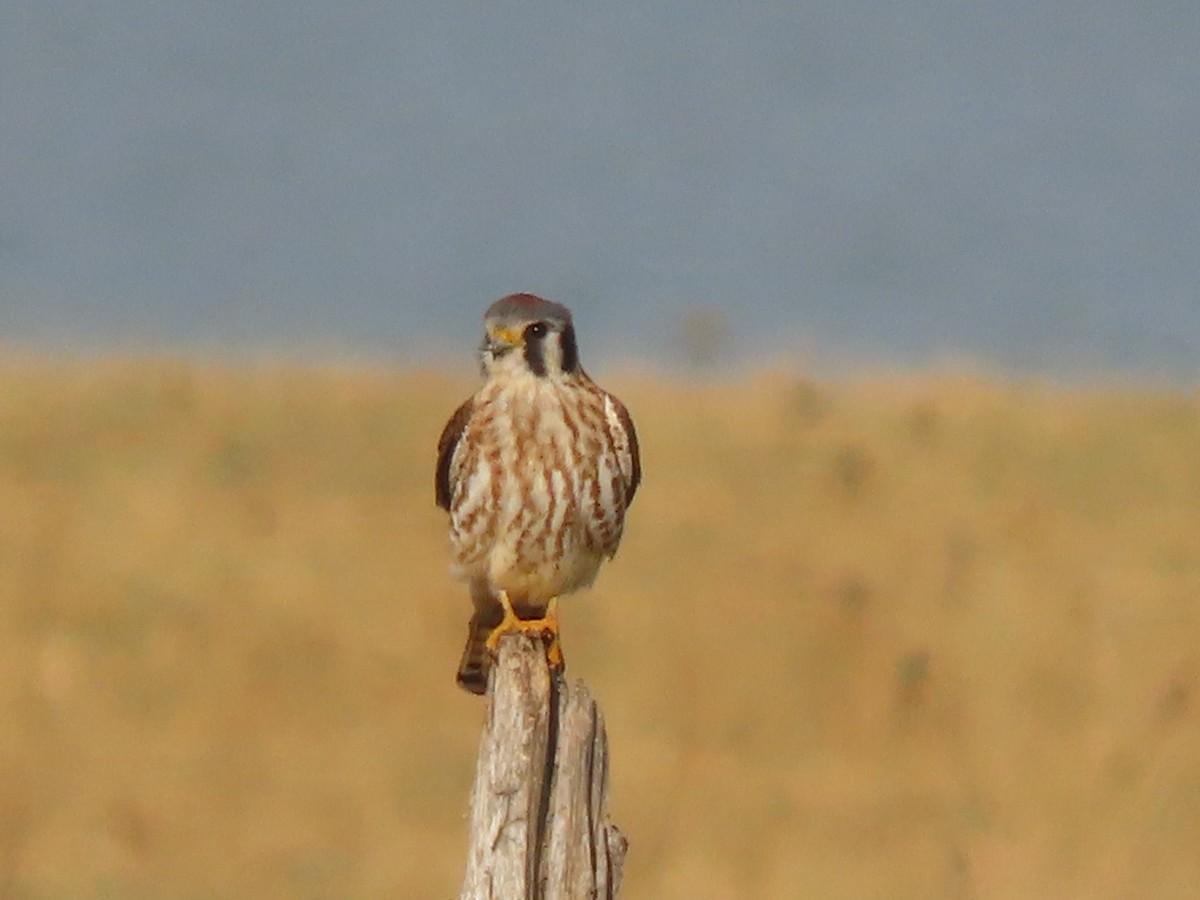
545, 627
509, 624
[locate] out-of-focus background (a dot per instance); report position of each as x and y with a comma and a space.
904, 299
847, 182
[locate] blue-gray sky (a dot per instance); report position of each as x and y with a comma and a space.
1016, 181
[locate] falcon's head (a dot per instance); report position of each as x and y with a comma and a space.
529, 335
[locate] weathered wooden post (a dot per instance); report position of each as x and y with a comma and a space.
539, 816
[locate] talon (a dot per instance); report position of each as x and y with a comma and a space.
510, 624
545, 627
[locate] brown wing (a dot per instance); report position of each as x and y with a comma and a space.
447, 443
633, 477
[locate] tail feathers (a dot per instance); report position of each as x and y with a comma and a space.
476, 663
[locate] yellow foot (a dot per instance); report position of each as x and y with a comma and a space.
545, 627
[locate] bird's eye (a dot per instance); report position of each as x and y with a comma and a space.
537, 330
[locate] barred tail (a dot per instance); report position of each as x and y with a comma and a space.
476, 661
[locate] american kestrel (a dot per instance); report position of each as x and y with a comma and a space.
536, 471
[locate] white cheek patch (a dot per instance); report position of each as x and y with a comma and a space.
552, 352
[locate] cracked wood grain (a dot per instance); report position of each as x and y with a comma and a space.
539, 827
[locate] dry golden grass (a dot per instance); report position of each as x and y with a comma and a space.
937, 638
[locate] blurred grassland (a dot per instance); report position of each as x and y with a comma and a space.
913, 638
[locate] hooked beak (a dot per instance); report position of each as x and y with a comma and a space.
499, 341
